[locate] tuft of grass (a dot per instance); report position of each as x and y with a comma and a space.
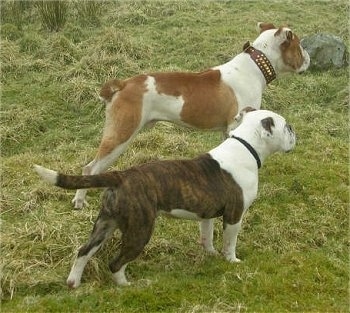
53, 14
294, 243
89, 12
10, 32
30, 43
17, 12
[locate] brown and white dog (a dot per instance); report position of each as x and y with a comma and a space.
206, 100
223, 182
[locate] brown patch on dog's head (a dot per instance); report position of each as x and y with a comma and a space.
290, 48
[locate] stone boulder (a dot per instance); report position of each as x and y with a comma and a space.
326, 51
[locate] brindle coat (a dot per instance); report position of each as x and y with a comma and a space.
135, 196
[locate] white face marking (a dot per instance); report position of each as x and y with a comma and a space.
282, 138
290, 138
268, 43
306, 62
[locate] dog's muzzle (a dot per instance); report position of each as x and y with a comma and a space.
292, 137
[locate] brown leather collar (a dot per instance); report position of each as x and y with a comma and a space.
261, 61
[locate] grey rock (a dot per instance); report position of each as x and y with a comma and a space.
326, 51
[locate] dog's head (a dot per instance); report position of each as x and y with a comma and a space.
282, 47
272, 131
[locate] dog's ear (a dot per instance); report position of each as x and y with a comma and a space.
244, 111
265, 26
285, 35
267, 124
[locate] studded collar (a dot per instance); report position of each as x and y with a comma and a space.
261, 61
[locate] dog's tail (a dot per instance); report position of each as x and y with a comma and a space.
110, 88
80, 181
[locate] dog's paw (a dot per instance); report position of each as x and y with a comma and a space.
72, 283
208, 247
211, 251
120, 279
233, 260
231, 257
79, 203
122, 283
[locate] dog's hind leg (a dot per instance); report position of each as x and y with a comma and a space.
121, 126
99, 165
102, 230
133, 243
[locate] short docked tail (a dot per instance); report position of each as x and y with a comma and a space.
110, 179
110, 88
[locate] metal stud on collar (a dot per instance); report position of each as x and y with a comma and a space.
261, 61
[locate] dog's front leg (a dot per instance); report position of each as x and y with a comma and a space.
230, 241
207, 234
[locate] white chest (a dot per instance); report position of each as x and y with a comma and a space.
241, 167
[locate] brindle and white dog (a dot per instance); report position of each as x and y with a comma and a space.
205, 100
222, 182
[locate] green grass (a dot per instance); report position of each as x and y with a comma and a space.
295, 238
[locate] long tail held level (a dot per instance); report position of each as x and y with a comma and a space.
78, 181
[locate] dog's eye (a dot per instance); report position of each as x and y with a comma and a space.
289, 127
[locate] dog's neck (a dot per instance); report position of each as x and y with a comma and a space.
250, 149
254, 139
262, 62
249, 87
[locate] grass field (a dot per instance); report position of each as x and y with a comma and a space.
295, 238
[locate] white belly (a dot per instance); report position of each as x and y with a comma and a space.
182, 214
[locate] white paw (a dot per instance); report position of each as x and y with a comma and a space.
79, 203
207, 246
122, 282
233, 259
211, 251
120, 279
72, 283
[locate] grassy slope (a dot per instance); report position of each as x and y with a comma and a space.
294, 241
